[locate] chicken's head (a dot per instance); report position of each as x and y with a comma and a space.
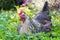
22, 16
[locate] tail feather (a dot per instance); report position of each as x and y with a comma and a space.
45, 8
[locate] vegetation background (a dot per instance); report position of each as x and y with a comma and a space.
9, 20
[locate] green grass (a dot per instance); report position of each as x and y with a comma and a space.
10, 20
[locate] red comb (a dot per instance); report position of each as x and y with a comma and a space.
21, 12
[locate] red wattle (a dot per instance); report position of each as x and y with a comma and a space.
22, 19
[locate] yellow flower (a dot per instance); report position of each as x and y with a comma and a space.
17, 7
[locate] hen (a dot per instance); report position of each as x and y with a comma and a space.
40, 23
25, 26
